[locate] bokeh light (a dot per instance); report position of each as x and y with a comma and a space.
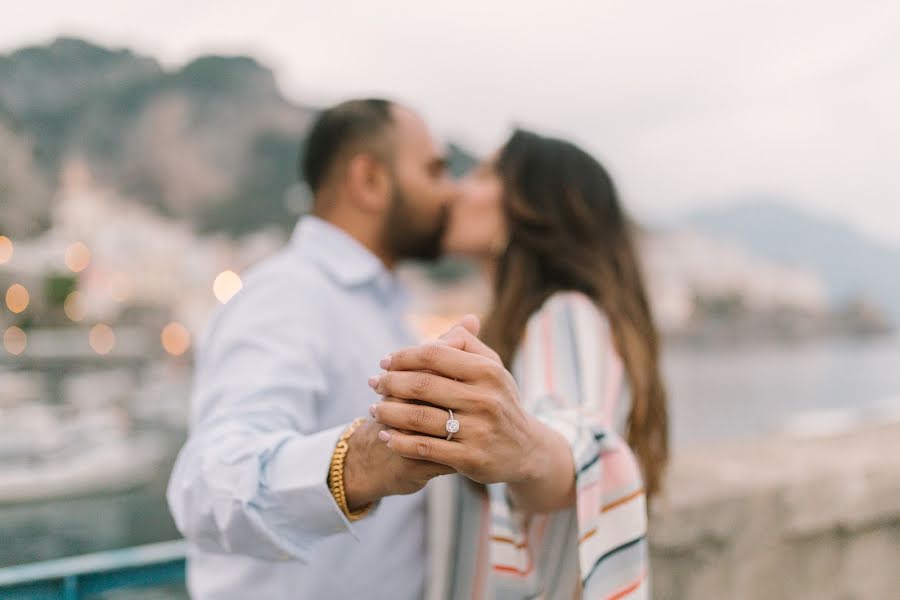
102, 338
78, 257
74, 306
226, 285
120, 286
15, 340
176, 339
17, 298
6, 249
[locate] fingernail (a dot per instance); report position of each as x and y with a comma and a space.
373, 381
372, 410
384, 436
386, 362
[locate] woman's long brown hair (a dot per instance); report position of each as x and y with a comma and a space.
567, 232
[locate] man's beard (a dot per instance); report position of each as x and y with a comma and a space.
405, 238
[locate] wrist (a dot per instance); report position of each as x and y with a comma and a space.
343, 471
548, 482
359, 487
536, 462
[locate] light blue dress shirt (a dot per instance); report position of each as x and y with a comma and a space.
280, 372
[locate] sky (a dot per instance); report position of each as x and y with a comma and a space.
690, 104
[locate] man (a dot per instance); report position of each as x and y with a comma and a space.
282, 372
283, 491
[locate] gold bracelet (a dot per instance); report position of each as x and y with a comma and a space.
336, 474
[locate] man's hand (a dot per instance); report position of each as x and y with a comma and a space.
497, 441
372, 470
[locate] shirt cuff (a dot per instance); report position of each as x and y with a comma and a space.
296, 478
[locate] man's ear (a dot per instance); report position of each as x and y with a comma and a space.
368, 183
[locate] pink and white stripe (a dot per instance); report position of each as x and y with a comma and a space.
571, 378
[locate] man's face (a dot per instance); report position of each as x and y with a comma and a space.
422, 191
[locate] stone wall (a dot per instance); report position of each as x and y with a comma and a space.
782, 518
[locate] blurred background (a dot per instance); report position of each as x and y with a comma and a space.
148, 157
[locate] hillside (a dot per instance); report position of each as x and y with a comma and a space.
851, 265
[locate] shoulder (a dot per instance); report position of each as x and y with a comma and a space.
282, 295
286, 272
282, 282
567, 322
569, 311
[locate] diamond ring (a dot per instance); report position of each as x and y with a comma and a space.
452, 426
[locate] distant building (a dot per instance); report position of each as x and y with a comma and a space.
685, 268
127, 257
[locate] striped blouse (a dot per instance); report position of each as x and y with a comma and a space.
571, 378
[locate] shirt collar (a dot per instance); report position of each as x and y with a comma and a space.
340, 255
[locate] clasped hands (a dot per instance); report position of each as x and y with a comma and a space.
458, 372
406, 445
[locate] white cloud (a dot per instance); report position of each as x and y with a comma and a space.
695, 101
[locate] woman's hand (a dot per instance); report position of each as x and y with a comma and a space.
497, 440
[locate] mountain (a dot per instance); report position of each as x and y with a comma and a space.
852, 266
25, 189
214, 142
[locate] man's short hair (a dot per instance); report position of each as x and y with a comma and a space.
349, 126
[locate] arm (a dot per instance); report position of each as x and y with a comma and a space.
571, 379
563, 366
251, 478
550, 482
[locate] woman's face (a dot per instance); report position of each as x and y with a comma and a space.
477, 226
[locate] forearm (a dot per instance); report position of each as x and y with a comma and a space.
550, 485
257, 493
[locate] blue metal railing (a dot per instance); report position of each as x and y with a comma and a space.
84, 576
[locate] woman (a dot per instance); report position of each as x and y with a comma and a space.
571, 321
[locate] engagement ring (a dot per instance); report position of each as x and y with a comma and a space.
452, 425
